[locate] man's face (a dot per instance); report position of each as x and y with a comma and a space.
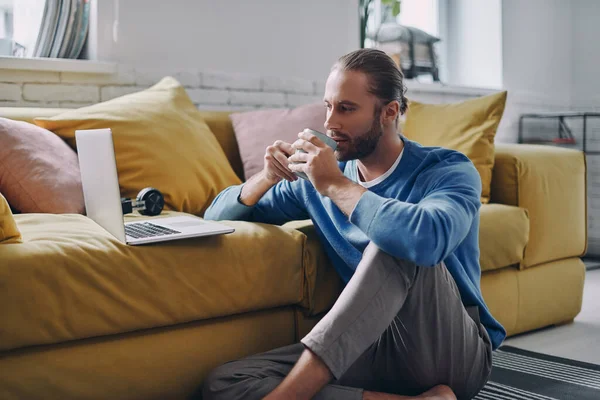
353, 115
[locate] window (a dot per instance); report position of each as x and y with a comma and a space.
43, 28
6, 27
421, 14
385, 31
469, 52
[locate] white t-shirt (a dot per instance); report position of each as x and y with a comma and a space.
380, 178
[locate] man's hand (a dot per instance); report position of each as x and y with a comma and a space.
321, 166
276, 162
275, 169
318, 163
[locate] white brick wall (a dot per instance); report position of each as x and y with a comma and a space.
257, 99
125, 76
60, 92
214, 90
10, 91
24, 103
294, 100
111, 92
287, 85
149, 76
8, 75
319, 88
223, 80
209, 96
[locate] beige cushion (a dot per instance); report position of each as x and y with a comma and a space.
71, 279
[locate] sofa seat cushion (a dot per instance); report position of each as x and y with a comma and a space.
503, 235
70, 279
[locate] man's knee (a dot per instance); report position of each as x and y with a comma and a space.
216, 383
406, 267
241, 379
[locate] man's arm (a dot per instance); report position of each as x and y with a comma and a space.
246, 196
426, 232
258, 200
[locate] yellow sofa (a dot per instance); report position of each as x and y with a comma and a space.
86, 317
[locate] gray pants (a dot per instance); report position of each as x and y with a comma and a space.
395, 328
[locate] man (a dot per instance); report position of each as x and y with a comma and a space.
400, 223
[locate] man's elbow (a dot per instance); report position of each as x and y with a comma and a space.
429, 251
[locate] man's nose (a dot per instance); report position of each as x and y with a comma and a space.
331, 123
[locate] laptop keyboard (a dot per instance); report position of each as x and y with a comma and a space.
141, 230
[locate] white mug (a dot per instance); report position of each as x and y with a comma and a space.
324, 138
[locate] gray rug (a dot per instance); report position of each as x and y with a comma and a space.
525, 375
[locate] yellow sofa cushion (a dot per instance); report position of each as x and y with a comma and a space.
503, 235
522, 300
70, 279
28, 114
324, 284
469, 127
551, 183
160, 141
9, 233
220, 124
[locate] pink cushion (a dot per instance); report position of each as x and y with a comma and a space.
39, 172
255, 130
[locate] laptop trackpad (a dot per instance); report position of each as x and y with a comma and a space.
186, 223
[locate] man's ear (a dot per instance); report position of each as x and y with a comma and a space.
391, 112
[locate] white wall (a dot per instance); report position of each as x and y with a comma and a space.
537, 47
586, 55
473, 52
537, 62
586, 97
298, 38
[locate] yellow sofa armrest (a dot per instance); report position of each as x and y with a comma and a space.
550, 182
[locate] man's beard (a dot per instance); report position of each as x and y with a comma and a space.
363, 145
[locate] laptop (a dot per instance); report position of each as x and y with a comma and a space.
100, 183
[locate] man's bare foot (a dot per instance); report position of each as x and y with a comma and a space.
440, 392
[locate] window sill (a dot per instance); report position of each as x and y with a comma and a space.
57, 65
441, 88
